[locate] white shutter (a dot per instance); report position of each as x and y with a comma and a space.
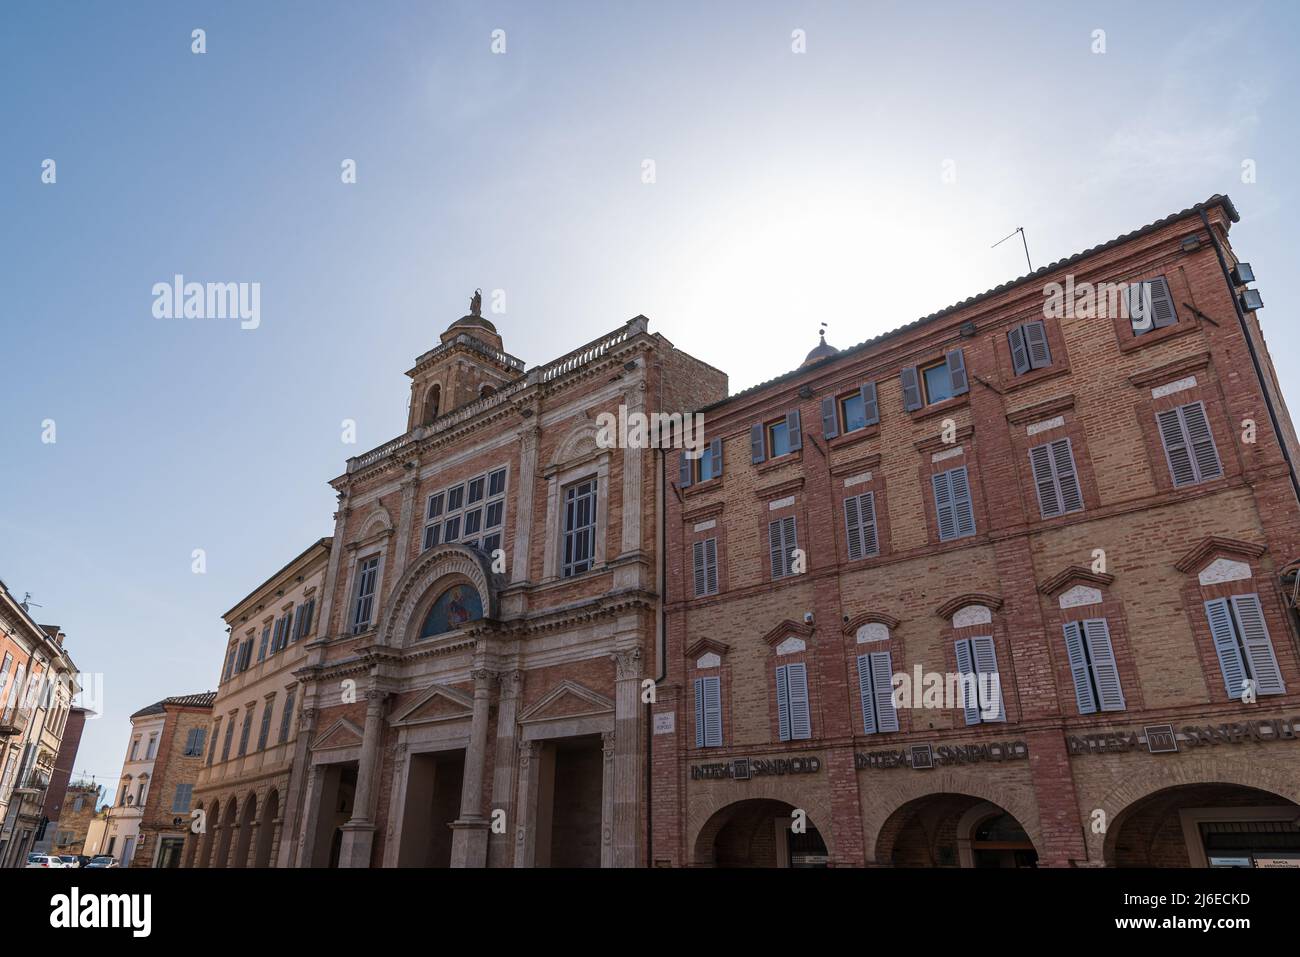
1074, 651
782, 704
1104, 670
986, 663
967, 686
713, 712
1258, 644
1225, 646
882, 678
800, 721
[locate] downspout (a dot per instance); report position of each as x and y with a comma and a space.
1254, 356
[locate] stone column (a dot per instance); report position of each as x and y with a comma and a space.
405, 523
332, 571
627, 791
607, 784
469, 836
523, 501
305, 845
526, 807
505, 773
632, 476
298, 792
359, 832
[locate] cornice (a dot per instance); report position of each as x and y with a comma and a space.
1214, 545
950, 608
1074, 573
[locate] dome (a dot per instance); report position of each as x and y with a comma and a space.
472, 322
821, 351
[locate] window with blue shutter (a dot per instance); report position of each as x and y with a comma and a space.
954, 511
1243, 645
860, 525
980, 685
1092, 666
286, 718
850, 413
1150, 306
1189, 444
704, 556
1029, 348
708, 712
875, 687
793, 721
1055, 478
782, 540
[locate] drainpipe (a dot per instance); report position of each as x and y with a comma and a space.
1254, 356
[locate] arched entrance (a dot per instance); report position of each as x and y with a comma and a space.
211, 816
227, 832
954, 830
760, 832
266, 830
1206, 825
246, 828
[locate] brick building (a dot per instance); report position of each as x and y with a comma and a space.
489, 613
55, 798
80, 804
245, 783
1072, 530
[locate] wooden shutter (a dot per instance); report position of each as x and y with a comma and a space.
1039, 352
796, 675
697, 557
943, 505
1074, 651
1067, 479
1205, 457
860, 525
1104, 670
911, 389
711, 566
853, 526
710, 711
1019, 350
715, 454
870, 407
684, 470
957, 372
306, 617
776, 548
968, 688
792, 430
986, 663
1049, 496
756, 449
699, 712
962, 508
1139, 308
1163, 312
866, 692
830, 418
1258, 644
1177, 454
882, 679
790, 541
1225, 646
782, 704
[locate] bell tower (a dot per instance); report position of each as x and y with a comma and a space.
469, 364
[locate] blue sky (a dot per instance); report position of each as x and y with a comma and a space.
790, 189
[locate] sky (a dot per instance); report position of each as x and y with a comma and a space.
677, 160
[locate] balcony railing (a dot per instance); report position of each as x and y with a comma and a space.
33, 782
14, 721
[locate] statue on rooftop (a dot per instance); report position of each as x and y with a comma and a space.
476, 303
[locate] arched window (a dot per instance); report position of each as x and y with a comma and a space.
456, 606
431, 401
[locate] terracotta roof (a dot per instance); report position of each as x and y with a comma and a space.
203, 699
1218, 199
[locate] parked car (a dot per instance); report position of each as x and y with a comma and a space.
103, 860
70, 860
43, 860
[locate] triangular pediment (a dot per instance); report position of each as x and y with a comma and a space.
341, 734
1212, 547
438, 703
568, 699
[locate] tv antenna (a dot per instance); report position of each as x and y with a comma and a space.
27, 602
1021, 231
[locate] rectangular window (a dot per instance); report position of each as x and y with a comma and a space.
363, 607
286, 719
981, 685
244, 731
212, 747
1092, 665
1189, 445
860, 525
705, 560
230, 661
472, 513
875, 686
230, 736
152, 750
194, 742
1150, 306
262, 645
579, 527
181, 800
1029, 348
771, 439
935, 382
952, 504
708, 464
792, 702
850, 413
135, 749
938, 385
1055, 478
265, 732
778, 439
782, 540
1244, 646
708, 712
